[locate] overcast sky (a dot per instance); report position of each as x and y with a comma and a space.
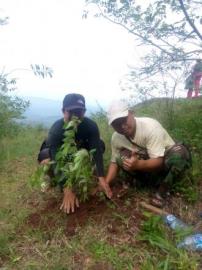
89, 56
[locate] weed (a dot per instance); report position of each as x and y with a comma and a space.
4, 245
164, 244
102, 251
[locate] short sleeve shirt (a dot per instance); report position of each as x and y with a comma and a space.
149, 134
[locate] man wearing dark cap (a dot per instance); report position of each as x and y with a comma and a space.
87, 136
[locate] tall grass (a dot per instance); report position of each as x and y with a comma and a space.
24, 143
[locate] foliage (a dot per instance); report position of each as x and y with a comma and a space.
42, 71
168, 34
72, 165
11, 107
72, 168
39, 177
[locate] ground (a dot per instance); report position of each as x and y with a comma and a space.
101, 234
125, 206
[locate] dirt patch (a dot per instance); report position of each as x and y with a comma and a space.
121, 216
101, 266
93, 210
48, 216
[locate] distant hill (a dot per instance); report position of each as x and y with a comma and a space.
46, 111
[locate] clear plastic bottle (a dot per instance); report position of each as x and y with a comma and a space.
192, 242
174, 222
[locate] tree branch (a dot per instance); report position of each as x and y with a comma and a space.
189, 20
136, 34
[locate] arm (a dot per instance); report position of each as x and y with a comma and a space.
95, 143
112, 172
55, 137
104, 182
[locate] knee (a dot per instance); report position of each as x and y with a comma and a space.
44, 156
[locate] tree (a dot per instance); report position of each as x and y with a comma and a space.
167, 31
11, 106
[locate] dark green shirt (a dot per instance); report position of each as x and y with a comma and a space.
87, 136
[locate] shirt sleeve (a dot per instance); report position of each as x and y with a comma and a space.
156, 143
95, 143
55, 138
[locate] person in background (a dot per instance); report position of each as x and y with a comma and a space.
143, 148
197, 75
189, 85
87, 137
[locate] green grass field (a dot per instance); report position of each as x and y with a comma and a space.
102, 234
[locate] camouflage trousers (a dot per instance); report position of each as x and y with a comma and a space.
177, 165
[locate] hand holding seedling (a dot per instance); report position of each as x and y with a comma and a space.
70, 201
131, 164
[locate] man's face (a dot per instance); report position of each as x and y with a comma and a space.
75, 112
125, 125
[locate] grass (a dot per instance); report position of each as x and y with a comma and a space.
114, 236
164, 242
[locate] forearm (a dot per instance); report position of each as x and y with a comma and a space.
94, 144
99, 165
112, 172
149, 165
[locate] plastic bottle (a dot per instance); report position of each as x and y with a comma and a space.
192, 242
174, 222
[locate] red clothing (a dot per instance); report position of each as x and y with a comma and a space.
197, 78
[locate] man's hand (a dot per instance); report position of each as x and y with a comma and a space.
45, 161
131, 164
70, 201
104, 186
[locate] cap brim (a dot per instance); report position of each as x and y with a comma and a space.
69, 108
117, 116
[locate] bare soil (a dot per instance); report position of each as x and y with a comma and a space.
123, 211
48, 216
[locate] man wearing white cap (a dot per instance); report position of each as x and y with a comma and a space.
143, 145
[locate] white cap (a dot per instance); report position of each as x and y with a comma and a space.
117, 109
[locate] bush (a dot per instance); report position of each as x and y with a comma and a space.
11, 107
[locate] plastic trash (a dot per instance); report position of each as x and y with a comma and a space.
44, 186
174, 222
192, 242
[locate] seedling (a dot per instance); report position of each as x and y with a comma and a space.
72, 168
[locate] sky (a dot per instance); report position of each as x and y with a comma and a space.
89, 56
